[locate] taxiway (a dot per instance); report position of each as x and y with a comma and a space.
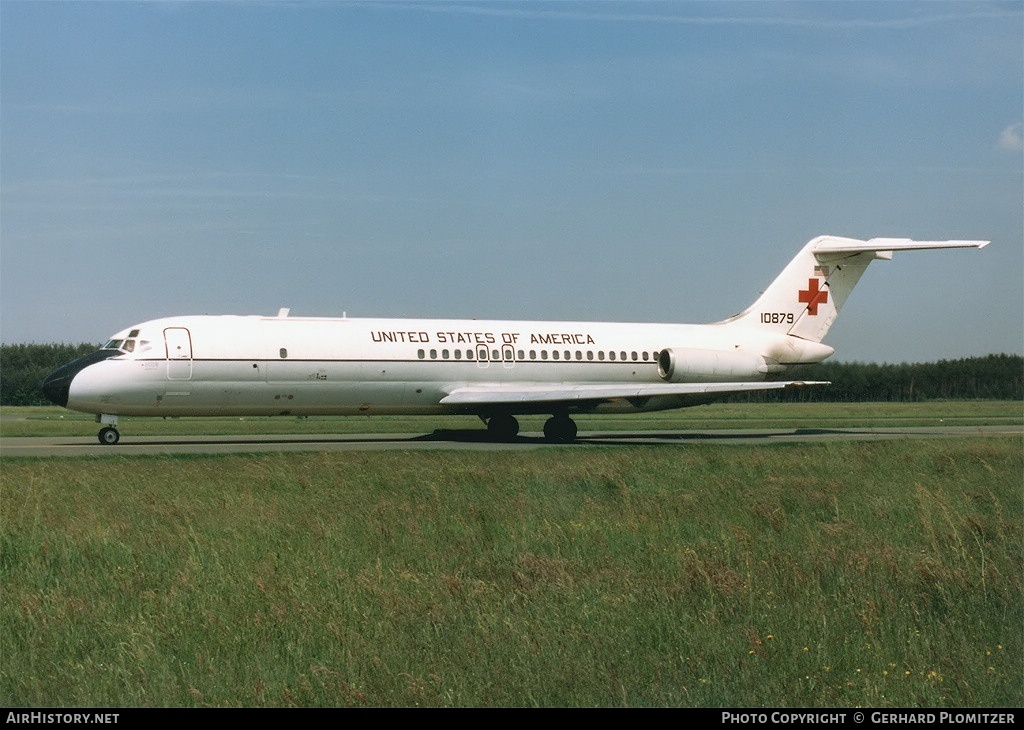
475, 439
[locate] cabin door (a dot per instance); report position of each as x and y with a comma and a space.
179, 353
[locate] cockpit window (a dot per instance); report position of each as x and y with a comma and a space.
128, 345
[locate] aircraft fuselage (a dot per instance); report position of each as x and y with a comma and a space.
264, 366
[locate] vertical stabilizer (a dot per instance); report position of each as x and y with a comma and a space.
805, 299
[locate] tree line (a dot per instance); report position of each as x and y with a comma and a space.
991, 377
24, 367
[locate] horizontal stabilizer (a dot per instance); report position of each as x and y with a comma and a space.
520, 394
830, 244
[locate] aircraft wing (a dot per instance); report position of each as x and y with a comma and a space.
522, 394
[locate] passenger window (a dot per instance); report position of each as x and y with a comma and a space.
421, 354
611, 355
284, 352
444, 354
433, 354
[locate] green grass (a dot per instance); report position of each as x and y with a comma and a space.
883, 574
53, 421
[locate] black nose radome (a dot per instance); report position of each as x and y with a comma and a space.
58, 383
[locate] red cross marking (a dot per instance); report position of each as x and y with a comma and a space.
812, 296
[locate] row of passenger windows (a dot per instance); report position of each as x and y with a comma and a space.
506, 355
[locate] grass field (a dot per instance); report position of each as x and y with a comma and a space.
882, 574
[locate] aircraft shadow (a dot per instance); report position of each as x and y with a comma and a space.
479, 436
627, 437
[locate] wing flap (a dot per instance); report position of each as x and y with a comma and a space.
520, 394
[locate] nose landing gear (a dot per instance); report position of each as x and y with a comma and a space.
109, 434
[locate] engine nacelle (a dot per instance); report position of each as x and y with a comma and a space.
691, 365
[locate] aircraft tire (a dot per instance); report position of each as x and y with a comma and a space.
560, 430
503, 427
109, 436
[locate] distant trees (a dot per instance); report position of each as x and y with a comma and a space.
23, 368
991, 377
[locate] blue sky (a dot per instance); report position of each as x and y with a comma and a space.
633, 161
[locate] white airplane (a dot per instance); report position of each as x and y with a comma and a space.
298, 366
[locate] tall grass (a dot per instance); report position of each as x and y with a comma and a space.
876, 574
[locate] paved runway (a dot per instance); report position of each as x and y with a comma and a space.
469, 440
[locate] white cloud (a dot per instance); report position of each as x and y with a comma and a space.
1012, 138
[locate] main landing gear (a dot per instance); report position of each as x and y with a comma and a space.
559, 429
502, 427
109, 434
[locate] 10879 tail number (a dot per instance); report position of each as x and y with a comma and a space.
777, 318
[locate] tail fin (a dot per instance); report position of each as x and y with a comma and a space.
806, 297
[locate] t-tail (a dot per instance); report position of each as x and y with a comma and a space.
805, 299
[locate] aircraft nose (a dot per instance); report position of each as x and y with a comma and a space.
57, 385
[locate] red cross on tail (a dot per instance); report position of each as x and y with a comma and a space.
812, 296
